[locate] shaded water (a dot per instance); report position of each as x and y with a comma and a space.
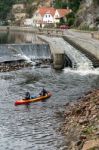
16, 37
33, 127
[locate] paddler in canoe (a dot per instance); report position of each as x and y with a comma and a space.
35, 98
42, 93
27, 96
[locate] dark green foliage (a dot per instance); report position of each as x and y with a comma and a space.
96, 2
72, 4
71, 19
62, 21
60, 4
5, 6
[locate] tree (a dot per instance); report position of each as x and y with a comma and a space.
70, 18
5, 6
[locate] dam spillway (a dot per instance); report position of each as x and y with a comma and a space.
12, 52
59, 46
62, 53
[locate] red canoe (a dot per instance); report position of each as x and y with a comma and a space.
39, 98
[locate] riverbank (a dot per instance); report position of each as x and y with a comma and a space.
81, 122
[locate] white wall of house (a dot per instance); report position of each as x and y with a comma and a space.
28, 22
40, 20
56, 14
56, 17
48, 18
37, 19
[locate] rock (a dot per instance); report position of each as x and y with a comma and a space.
91, 144
78, 142
67, 104
85, 121
82, 137
82, 122
64, 148
97, 133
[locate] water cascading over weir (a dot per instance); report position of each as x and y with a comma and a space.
62, 53
19, 53
66, 54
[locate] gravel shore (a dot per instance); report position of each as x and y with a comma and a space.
81, 122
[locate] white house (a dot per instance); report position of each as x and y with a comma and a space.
37, 19
61, 13
28, 22
48, 15
43, 16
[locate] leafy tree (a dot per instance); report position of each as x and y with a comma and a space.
70, 18
72, 4
96, 2
5, 6
60, 4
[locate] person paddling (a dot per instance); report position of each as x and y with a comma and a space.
27, 95
43, 92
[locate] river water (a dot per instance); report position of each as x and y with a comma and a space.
34, 127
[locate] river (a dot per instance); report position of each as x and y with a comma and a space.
34, 127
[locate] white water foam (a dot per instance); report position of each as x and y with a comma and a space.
83, 72
21, 54
79, 60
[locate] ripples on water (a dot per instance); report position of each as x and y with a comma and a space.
33, 127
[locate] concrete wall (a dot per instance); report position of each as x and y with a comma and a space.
58, 55
58, 61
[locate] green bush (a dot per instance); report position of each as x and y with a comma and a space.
70, 21
96, 2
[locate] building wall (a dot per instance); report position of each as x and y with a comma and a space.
37, 19
48, 18
28, 22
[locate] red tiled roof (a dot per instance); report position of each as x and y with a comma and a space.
63, 12
44, 10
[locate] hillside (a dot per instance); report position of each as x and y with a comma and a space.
88, 15
30, 6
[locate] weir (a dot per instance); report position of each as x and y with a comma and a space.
57, 53
62, 53
65, 54
13, 52
88, 52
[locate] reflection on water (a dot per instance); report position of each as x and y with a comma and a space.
34, 126
17, 37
